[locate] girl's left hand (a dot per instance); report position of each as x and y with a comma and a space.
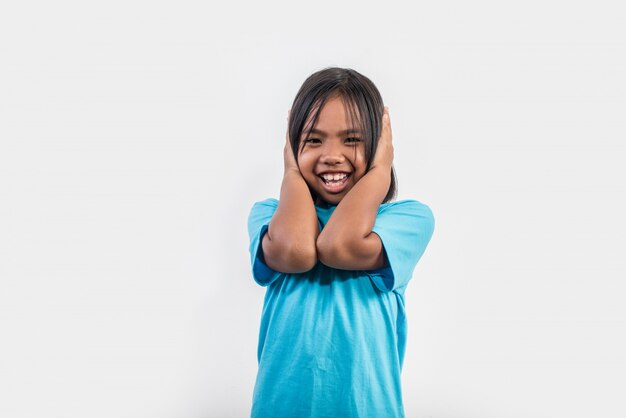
384, 151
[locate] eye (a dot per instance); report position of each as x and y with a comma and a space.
310, 140
355, 140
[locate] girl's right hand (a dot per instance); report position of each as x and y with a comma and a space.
290, 160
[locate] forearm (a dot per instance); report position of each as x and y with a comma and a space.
294, 226
354, 216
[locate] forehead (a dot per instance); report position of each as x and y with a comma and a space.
335, 116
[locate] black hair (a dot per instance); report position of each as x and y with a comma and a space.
362, 100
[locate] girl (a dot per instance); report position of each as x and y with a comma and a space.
336, 255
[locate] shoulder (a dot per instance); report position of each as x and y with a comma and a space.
270, 201
408, 220
408, 207
264, 206
406, 215
261, 211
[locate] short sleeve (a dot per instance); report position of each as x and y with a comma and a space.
405, 229
258, 223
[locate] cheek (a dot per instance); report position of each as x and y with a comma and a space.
304, 159
359, 161
306, 165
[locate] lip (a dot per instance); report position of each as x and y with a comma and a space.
335, 189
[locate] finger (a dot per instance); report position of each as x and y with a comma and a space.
386, 116
386, 122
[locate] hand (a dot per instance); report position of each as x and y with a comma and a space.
290, 159
384, 151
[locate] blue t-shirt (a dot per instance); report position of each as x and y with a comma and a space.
331, 342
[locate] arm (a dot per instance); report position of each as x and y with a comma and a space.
289, 244
347, 241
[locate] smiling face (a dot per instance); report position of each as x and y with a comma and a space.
333, 149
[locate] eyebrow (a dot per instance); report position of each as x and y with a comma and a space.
344, 132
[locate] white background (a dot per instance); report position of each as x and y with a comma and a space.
135, 137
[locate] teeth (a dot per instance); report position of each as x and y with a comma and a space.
335, 177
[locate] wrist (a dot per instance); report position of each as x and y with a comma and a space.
381, 170
290, 170
382, 175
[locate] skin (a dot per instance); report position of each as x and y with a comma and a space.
347, 241
333, 151
293, 242
289, 245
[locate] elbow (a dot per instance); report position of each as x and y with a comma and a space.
328, 252
294, 257
289, 256
300, 258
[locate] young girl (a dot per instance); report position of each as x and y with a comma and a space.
336, 255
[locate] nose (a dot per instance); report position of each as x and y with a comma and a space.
332, 153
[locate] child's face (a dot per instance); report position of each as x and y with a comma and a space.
330, 149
